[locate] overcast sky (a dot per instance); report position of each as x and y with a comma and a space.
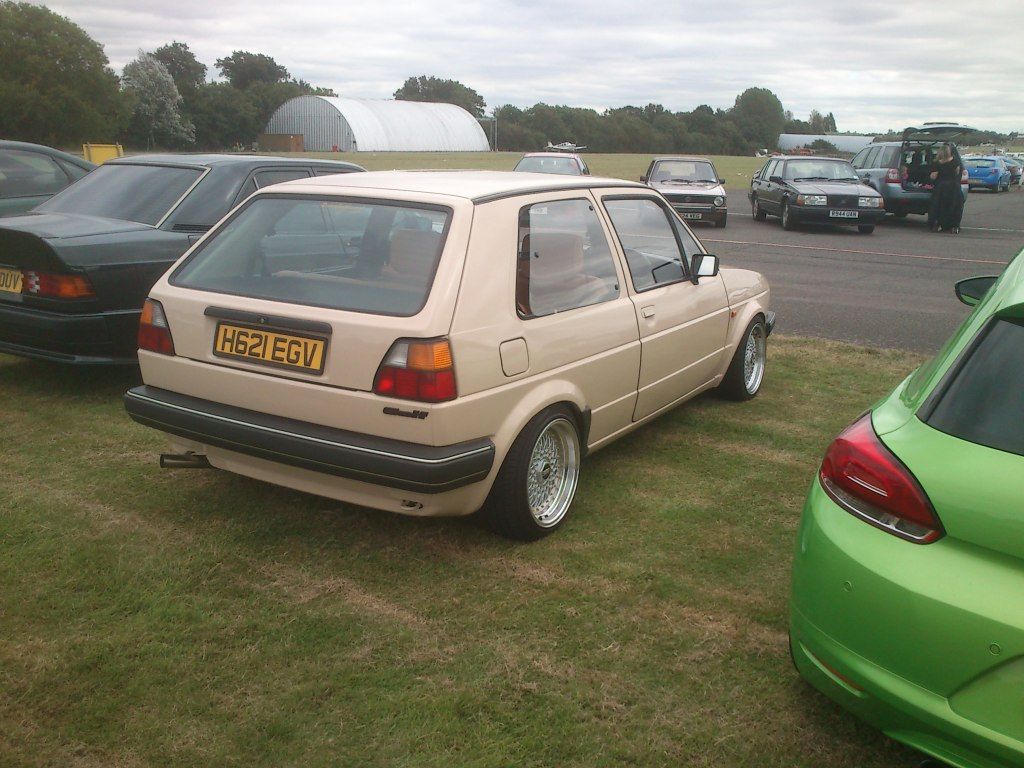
876, 64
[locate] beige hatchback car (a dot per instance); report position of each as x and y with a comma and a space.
437, 343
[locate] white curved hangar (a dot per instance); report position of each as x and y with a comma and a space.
378, 125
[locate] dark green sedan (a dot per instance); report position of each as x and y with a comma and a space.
75, 271
908, 580
31, 173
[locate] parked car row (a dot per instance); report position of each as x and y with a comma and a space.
437, 343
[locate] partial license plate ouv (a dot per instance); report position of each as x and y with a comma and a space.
270, 347
10, 280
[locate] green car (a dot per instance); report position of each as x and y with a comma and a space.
908, 579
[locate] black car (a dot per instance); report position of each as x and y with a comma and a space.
820, 190
31, 173
75, 272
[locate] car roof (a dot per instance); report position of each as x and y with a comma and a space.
685, 158
210, 160
42, 148
550, 154
477, 186
809, 157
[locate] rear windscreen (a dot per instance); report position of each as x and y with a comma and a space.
980, 163
361, 256
984, 402
141, 193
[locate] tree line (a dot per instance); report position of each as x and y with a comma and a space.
57, 88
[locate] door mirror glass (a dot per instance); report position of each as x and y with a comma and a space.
776, 179
971, 290
703, 265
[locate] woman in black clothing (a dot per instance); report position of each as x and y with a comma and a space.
947, 205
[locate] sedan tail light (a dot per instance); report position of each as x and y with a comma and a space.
55, 286
892, 176
417, 370
154, 332
863, 477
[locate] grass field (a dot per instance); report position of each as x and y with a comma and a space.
735, 170
195, 618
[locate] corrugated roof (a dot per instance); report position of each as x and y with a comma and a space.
378, 125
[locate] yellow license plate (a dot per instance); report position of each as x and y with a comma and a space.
259, 345
10, 280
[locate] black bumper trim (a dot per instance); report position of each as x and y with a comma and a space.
370, 459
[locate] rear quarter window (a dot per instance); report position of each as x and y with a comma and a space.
984, 401
377, 257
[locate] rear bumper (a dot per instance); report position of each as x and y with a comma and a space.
821, 215
899, 634
106, 338
367, 458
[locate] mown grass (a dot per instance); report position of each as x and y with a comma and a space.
735, 170
195, 618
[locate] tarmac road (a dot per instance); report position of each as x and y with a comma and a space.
892, 288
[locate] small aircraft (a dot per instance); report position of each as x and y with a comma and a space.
565, 146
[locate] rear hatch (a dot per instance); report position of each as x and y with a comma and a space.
935, 132
314, 290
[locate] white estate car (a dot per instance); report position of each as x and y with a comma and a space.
431, 343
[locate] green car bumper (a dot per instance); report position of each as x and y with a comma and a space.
925, 642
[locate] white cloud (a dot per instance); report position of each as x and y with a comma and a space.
874, 64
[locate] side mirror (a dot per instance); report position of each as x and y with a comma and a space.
703, 265
721, 181
971, 290
643, 179
776, 179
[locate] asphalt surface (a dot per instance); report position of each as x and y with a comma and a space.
892, 288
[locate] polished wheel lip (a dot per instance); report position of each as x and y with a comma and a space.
754, 358
553, 472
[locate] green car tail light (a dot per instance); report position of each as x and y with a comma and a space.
863, 477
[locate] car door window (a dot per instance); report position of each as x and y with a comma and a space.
266, 178
649, 241
563, 260
771, 169
858, 159
28, 174
871, 157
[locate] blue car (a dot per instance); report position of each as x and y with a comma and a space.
989, 172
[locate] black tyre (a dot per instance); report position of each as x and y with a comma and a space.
537, 482
865, 229
746, 371
720, 223
899, 215
756, 210
788, 222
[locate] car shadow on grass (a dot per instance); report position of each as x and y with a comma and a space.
21, 376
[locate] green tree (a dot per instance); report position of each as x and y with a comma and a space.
224, 117
56, 86
243, 69
156, 116
188, 72
759, 116
428, 88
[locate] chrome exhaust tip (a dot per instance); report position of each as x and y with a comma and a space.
184, 461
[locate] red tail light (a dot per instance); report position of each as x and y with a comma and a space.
964, 176
154, 332
892, 176
417, 370
863, 477
54, 286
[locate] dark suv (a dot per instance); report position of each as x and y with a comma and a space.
900, 170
